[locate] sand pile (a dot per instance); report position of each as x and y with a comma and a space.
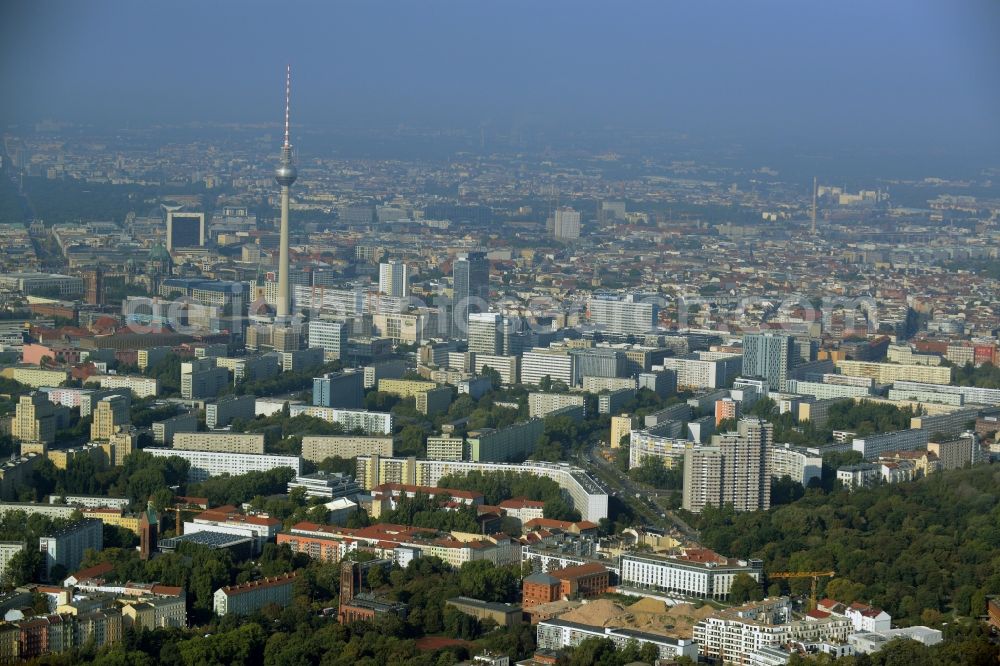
598, 613
678, 620
647, 605
644, 615
657, 617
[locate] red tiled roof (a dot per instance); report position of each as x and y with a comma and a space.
865, 609
536, 535
560, 524
702, 555
230, 590
94, 571
427, 490
257, 520
910, 455
101, 510
521, 503
579, 570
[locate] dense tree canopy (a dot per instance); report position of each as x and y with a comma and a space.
300, 633
986, 375
652, 472
141, 477
865, 417
927, 545
243, 487
422, 511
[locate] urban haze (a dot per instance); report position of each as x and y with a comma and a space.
547, 334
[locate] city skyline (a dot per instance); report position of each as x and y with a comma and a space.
548, 333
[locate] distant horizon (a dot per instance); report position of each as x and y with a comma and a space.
795, 161
893, 77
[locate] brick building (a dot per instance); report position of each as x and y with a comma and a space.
539, 588
355, 603
583, 581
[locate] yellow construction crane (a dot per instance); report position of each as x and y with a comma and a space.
815, 575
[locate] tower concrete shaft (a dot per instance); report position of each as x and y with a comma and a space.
284, 294
285, 174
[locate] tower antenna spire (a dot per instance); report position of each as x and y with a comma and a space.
288, 104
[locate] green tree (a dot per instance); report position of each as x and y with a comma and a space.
844, 590
493, 375
243, 645
412, 441
557, 508
481, 579
24, 567
652, 472
785, 490
649, 653
744, 589
889, 541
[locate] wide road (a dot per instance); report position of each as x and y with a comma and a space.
647, 502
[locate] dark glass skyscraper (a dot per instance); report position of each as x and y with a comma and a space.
471, 275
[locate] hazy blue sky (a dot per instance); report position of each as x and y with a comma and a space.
895, 72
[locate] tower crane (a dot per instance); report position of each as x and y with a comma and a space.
815, 575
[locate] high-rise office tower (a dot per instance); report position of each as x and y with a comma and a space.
110, 413
331, 336
598, 362
34, 420
515, 337
392, 279
339, 389
768, 355
566, 223
624, 316
471, 290
486, 333
285, 174
185, 230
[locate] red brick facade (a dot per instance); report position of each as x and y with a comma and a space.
584, 581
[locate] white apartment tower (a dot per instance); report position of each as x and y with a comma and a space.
566, 223
733, 470
393, 279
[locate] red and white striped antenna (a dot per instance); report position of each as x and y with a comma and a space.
288, 103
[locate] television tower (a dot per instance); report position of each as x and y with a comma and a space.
815, 191
285, 174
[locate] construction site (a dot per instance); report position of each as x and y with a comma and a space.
648, 615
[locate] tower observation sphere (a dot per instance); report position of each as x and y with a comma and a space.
286, 173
